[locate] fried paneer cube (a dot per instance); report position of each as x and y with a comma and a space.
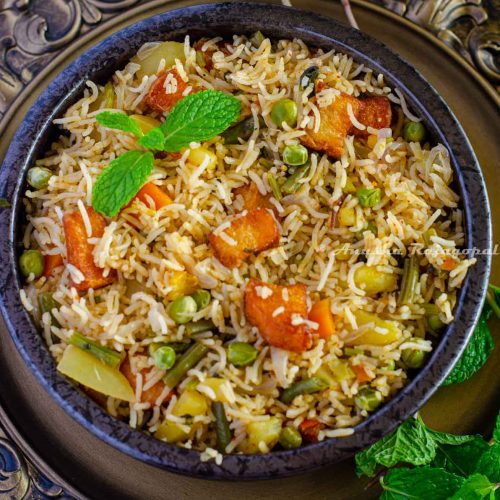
80, 251
375, 112
279, 320
334, 126
247, 234
252, 197
158, 98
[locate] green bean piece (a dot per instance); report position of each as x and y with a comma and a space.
290, 438
32, 262
222, 430
46, 303
414, 132
241, 130
182, 309
372, 227
267, 164
275, 188
105, 354
369, 198
204, 325
285, 110
352, 351
164, 357
38, 177
241, 353
306, 386
308, 78
109, 94
367, 399
180, 347
292, 184
409, 281
189, 359
413, 358
295, 155
256, 39
202, 298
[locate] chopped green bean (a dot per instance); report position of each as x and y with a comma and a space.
306, 386
295, 155
367, 399
105, 354
292, 184
38, 177
352, 351
274, 186
204, 325
32, 262
164, 357
267, 164
109, 94
413, 358
46, 303
178, 347
308, 78
290, 438
189, 359
243, 129
241, 353
372, 227
369, 198
182, 309
285, 110
202, 298
222, 430
409, 281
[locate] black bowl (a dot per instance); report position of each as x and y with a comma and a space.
97, 64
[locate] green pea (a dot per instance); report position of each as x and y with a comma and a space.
38, 177
369, 197
434, 323
290, 438
164, 357
367, 399
241, 353
285, 110
295, 155
413, 358
183, 309
32, 262
414, 132
202, 298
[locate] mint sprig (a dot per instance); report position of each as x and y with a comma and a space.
119, 121
120, 181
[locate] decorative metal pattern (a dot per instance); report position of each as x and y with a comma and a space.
32, 32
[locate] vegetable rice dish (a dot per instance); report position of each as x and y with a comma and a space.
242, 245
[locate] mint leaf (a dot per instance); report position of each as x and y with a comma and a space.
451, 439
475, 355
489, 463
461, 459
421, 483
410, 443
199, 117
119, 121
492, 301
154, 139
4, 203
475, 487
496, 430
120, 181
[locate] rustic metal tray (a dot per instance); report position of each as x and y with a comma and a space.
43, 452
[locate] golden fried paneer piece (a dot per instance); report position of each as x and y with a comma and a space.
277, 319
252, 197
334, 127
247, 234
375, 112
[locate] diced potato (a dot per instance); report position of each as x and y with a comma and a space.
334, 127
266, 431
222, 388
381, 333
146, 123
170, 51
189, 403
91, 372
349, 186
198, 155
182, 283
373, 281
375, 112
324, 373
252, 197
251, 233
341, 370
347, 216
157, 97
279, 330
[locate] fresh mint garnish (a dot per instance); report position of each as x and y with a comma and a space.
154, 139
489, 463
120, 181
474, 487
119, 121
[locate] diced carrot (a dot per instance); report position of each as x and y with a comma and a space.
157, 97
449, 264
375, 112
251, 233
334, 127
79, 250
274, 316
151, 394
309, 428
320, 313
51, 262
151, 192
252, 197
361, 374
